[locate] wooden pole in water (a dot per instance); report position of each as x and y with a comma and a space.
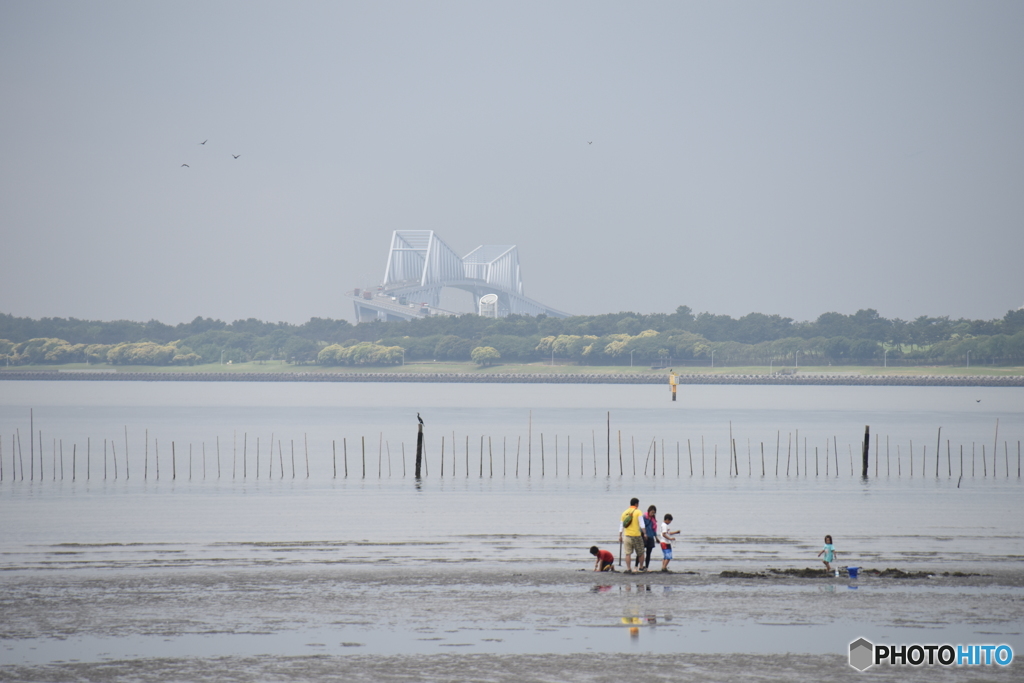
245, 459
404, 474
689, 452
621, 471
419, 451
796, 453
899, 462
716, 459
949, 461
113, 455
519, 445
204, 460
938, 452
387, 445
490, 457
593, 450
218, 456
364, 456
467, 452
789, 451
731, 449
995, 448
835, 447
762, 458
61, 459
504, 457
542, 454
305, 449
334, 457
864, 454
32, 444
344, 454
174, 463
74, 457
888, 465
258, 456
984, 462
156, 448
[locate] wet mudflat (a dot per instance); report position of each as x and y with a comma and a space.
381, 623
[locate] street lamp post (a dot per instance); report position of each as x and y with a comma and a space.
797, 363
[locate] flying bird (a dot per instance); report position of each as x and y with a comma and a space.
236, 155
419, 418
204, 141
590, 142
186, 166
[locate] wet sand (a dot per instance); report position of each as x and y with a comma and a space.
461, 622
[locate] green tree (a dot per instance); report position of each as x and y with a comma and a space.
485, 355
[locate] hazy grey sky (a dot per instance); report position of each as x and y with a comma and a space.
779, 157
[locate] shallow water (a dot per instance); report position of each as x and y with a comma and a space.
522, 485
196, 563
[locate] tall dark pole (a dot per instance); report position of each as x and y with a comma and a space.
867, 443
419, 445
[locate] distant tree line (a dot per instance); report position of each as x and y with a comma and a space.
609, 339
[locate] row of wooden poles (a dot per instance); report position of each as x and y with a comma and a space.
829, 466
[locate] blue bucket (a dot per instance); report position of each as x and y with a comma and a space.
853, 571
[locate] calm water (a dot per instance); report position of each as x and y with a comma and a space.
243, 509
242, 552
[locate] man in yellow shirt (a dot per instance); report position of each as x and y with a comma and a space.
631, 527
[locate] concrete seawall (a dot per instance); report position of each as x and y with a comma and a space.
528, 378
